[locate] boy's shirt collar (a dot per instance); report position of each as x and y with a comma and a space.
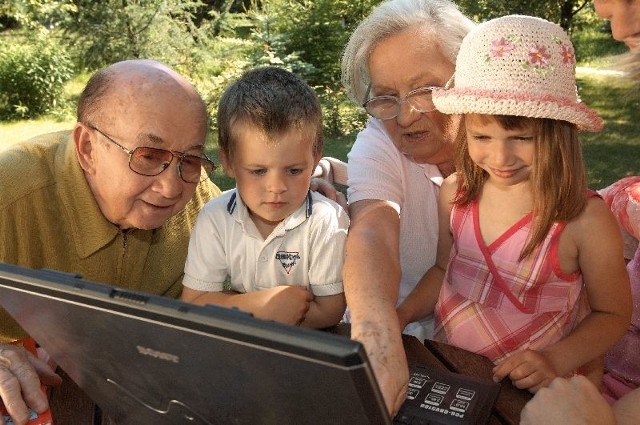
239, 211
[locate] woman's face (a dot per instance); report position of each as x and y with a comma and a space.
399, 64
625, 19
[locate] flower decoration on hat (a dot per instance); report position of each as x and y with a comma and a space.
517, 65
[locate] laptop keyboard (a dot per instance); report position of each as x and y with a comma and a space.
439, 397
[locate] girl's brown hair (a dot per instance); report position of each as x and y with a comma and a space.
558, 176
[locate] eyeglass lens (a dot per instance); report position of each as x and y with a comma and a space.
151, 161
388, 107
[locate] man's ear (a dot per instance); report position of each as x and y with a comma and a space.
84, 148
227, 165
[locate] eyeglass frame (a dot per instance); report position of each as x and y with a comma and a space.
174, 154
399, 101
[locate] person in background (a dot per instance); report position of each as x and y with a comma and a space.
622, 361
392, 62
114, 200
624, 16
572, 401
530, 261
279, 245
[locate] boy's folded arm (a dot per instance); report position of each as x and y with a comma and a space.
325, 311
286, 304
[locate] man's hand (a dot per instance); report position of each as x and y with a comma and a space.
574, 401
20, 377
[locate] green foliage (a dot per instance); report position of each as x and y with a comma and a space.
213, 41
273, 49
307, 38
340, 115
592, 44
32, 78
613, 153
222, 62
35, 15
318, 30
562, 12
112, 30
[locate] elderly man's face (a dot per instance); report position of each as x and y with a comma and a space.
625, 19
166, 120
398, 65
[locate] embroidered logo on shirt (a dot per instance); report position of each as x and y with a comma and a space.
287, 259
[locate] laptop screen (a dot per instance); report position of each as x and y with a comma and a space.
148, 359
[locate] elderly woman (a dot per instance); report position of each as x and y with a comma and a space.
393, 60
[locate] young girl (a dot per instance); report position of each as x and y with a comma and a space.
535, 278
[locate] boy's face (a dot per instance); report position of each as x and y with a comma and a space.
272, 176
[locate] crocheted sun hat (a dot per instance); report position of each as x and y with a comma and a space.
517, 65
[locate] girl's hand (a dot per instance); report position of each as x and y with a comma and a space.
528, 369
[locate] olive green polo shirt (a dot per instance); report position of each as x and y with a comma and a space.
50, 219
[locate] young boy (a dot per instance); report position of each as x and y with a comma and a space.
270, 246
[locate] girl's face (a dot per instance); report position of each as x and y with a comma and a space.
506, 155
272, 176
625, 19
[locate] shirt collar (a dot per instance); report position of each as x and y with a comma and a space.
239, 211
91, 231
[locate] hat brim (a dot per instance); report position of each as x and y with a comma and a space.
467, 101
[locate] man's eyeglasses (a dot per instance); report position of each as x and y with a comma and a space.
388, 107
148, 161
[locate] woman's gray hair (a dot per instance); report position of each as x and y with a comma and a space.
442, 21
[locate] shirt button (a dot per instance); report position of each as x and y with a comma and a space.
263, 258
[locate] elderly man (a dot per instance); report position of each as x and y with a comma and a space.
113, 200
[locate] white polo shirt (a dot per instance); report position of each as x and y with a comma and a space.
306, 248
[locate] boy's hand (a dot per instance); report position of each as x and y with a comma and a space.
528, 369
285, 304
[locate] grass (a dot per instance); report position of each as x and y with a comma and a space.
17, 131
615, 152
609, 155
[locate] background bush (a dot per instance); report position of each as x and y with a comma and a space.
32, 77
212, 42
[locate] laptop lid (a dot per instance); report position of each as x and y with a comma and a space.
148, 359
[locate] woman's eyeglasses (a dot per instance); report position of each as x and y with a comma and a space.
388, 107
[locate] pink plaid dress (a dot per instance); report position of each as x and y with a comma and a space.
492, 304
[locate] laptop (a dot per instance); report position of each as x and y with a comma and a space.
148, 359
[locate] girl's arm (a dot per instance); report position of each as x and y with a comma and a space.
594, 239
600, 258
421, 302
